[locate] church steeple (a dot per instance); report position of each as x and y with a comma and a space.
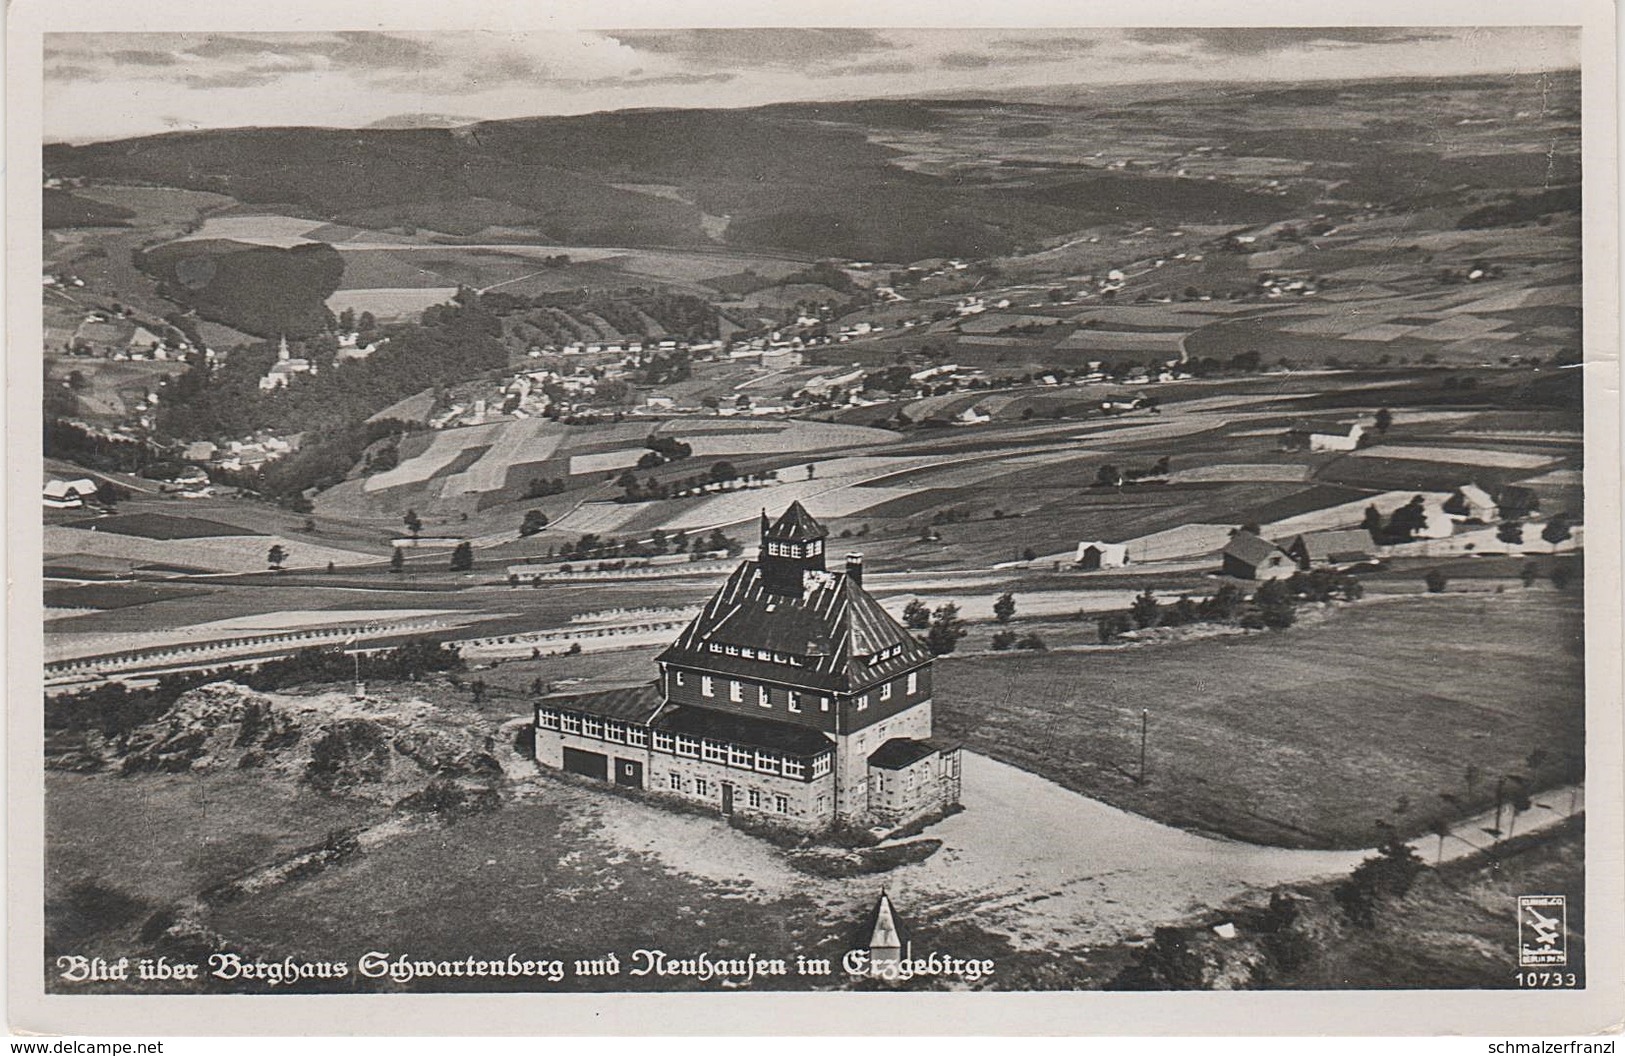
282, 353
791, 546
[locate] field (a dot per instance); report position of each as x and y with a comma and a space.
159, 526
1306, 738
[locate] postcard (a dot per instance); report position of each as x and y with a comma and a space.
1056, 519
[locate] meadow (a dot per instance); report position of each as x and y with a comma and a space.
1311, 737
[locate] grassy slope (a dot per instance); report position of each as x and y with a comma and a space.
1304, 738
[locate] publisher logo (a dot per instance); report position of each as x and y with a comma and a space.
1543, 930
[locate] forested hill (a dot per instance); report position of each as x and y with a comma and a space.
810, 179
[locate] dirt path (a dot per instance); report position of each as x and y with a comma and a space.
1039, 864
1048, 867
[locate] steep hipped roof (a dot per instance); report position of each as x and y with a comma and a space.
794, 525
831, 630
1249, 548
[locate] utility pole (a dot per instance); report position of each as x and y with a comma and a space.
1500, 788
1145, 718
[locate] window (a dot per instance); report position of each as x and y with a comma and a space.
614, 731
781, 804
795, 768
885, 691
592, 727
702, 787
714, 752
823, 805
795, 702
767, 762
816, 547
731, 650
913, 682
547, 720
736, 691
863, 701
663, 742
821, 765
637, 736
687, 745
755, 798
823, 703
740, 756
572, 723
763, 698
707, 686
678, 675
675, 781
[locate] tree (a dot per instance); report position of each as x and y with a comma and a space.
723, 472
535, 521
1109, 626
1529, 573
276, 556
916, 615
1108, 476
1003, 640
108, 493
1436, 581
1385, 418
397, 560
1560, 575
413, 522
462, 556
1144, 610
1004, 607
1408, 519
946, 630
1556, 530
1511, 533
331, 568
1373, 521
1273, 600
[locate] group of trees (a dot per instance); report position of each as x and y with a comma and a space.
649, 489
1273, 605
1110, 476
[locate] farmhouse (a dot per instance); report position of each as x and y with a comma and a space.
1338, 549
1248, 556
1093, 555
1471, 503
792, 696
1303, 436
68, 494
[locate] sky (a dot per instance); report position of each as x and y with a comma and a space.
107, 86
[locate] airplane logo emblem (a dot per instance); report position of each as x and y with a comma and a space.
1542, 930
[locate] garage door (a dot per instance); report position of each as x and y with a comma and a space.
629, 772
587, 764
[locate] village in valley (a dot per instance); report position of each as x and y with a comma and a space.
1137, 542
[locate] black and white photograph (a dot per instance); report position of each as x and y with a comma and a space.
695, 510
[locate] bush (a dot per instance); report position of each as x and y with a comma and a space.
1003, 640
1436, 581
1390, 874
1111, 625
1032, 642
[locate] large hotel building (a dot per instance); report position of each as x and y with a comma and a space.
792, 695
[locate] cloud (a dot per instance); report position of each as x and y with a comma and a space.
864, 69
253, 77
755, 47
1262, 40
1046, 45
144, 58
965, 60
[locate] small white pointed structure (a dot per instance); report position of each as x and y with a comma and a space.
887, 940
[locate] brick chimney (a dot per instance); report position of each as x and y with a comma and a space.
854, 568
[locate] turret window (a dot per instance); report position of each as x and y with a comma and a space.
913, 682
794, 702
736, 692
763, 698
885, 691
708, 686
